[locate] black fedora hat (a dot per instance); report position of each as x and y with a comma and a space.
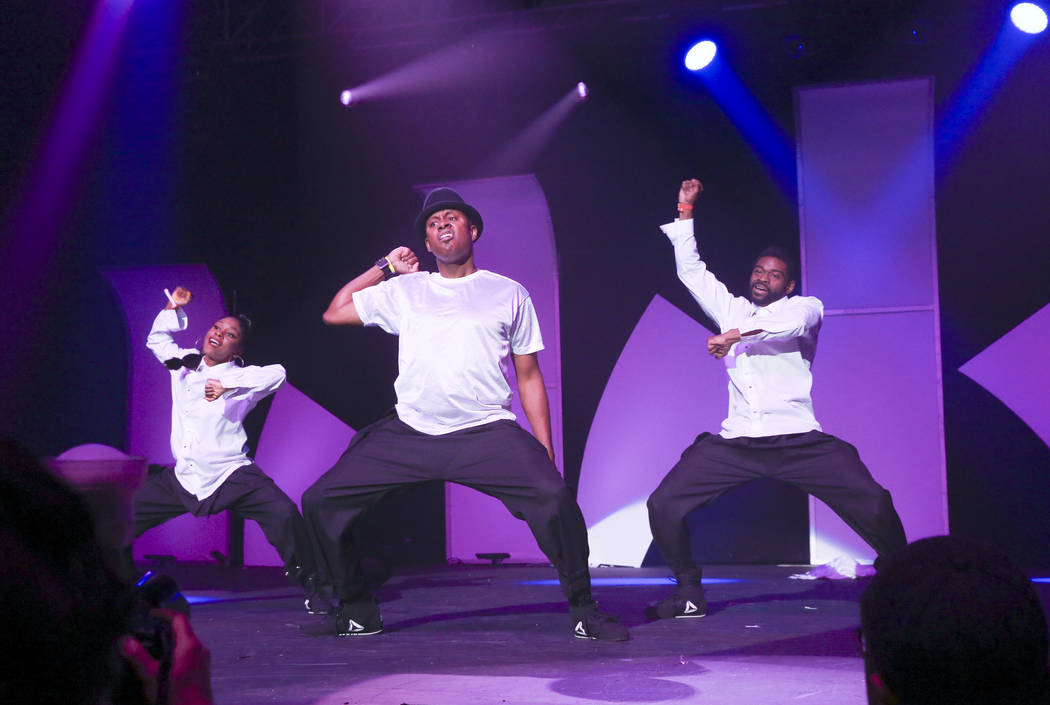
442, 199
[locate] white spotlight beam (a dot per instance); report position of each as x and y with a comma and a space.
520, 152
476, 60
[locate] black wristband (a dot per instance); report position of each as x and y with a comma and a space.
387, 267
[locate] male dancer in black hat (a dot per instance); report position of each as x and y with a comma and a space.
460, 329
768, 341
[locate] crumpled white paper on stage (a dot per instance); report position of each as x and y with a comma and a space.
840, 568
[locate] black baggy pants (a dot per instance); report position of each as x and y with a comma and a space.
248, 493
818, 463
499, 458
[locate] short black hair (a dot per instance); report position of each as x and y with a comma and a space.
781, 254
246, 327
244, 323
951, 620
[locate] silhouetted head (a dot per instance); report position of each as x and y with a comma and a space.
61, 607
948, 620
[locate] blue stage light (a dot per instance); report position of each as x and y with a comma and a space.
1028, 17
581, 91
700, 55
346, 97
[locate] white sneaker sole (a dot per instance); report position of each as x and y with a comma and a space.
361, 633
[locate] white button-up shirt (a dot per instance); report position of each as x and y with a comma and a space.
207, 437
769, 372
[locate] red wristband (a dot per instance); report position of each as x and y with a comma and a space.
684, 207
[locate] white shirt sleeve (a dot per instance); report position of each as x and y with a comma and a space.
797, 317
159, 340
380, 305
254, 381
712, 295
525, 335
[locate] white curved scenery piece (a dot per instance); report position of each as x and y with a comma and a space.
663, 391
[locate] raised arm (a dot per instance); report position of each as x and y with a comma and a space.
712, 295
342, 312
533, 395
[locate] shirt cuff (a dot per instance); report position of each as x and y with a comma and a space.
528, 349
171, 320
679, 230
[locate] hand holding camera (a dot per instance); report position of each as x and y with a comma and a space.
186, 679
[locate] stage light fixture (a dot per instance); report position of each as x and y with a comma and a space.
346, 97
581, 91
1028, 17
700, 55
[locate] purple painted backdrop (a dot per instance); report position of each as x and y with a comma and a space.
299, 442
1013, 369
866, 196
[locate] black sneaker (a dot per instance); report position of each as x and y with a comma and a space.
358, 619
589, 623
686, 602
317, 596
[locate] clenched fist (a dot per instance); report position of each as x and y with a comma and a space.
718, 345
403, 260
213, 389
691, 188
181, 297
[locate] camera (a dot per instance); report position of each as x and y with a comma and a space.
152, 590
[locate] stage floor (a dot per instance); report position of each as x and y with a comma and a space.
463, 635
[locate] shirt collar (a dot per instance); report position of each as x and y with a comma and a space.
769, 309
221, 367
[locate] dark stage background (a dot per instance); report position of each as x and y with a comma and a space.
229, 147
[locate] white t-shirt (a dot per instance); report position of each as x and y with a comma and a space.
456, 341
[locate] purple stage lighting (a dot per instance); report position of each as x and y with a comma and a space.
1028, 17
519, 154
345, 97
700, 55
